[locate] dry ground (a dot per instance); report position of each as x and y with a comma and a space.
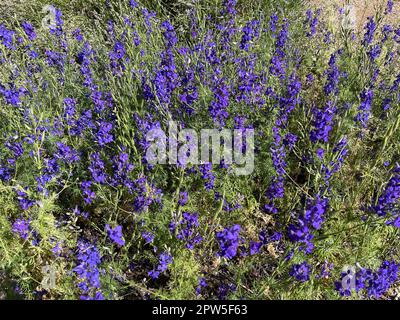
364, 9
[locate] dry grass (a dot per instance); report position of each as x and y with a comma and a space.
364, 9
9, 8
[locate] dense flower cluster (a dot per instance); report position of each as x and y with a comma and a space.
301, 272
312, 219
21, 227
373, 283
116, 235
229, 241
388, 204
164, 260
187, 229
88, 272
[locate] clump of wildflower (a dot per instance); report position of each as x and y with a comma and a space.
364, 110
88, 272
148, 237
202, 284
301, 272
88, 193
115, 235
29, 30
225, 289
187, 229
372, 283
250, 32
388, 201
322, 123
23, 199
312, 21
229, 240
164, 260
389, 7
22, 228
7, 37
370, 29
183, 198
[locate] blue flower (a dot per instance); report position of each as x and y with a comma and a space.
133, 4
229, 241
364, 110
22, 228
6, 37
202, 284
66, 153
77, 34
207, 175
333, 76
104, 135
322, 123
250, 32
255, 247
375, 52
389, 7
374, 283
165, 259
88, 194
97, 168
273, 21
229, 7
301, 272
57, 29
29, 30
312, 21
187, 229
169, 34
387, 203
23, 199
370, 29
148, 237
116, 235
87, 270
183, 198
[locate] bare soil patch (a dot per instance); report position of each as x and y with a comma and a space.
364, 9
